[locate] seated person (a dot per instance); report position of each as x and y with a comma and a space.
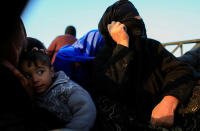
76, 59
67, 39
57, 93
136, 73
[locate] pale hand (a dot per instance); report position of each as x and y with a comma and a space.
163, 113
118, 33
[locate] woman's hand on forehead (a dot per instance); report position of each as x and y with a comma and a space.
118, 33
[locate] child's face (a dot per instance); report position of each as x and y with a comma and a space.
39, 77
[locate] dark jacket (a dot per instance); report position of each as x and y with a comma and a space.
72, 104
139, 76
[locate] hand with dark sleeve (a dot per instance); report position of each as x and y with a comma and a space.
177, 87
163, 113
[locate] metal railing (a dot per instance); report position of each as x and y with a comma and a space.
179, 45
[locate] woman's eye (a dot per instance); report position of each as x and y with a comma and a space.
40, 72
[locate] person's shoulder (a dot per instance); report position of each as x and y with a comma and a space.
153, 44
153, 47
153, 41
61, 76
69, 36
59, 37
68, 83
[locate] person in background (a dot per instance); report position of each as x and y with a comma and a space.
76, 60
68, 38
57, 93
137, 81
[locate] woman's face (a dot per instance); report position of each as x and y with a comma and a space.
17, 45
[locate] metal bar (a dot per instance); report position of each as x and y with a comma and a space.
176, 48
181, 47
183, 42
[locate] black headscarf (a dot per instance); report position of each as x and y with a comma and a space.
124, 12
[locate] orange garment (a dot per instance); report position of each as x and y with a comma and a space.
59, 42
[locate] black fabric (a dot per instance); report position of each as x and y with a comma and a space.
124, 12
192, 58
47, 119
9, 14
139, 76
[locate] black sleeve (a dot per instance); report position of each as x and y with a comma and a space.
178, 76
110, 68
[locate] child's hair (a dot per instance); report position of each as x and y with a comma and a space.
34, 57
33, 42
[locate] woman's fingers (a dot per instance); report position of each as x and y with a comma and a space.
118, 33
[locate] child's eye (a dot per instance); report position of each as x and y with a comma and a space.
40, 72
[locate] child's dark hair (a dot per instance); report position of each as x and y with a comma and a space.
34, 57
33, 42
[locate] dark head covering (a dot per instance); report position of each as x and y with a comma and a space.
124, 12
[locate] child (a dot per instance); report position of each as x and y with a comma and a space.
58, 94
